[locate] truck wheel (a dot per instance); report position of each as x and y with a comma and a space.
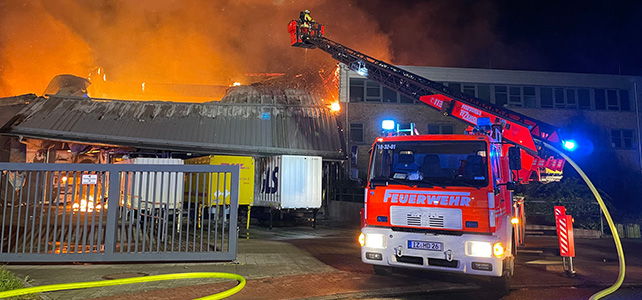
382, 270
501, 284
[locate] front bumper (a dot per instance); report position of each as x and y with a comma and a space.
451, 258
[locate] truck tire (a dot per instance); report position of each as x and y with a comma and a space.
382, 270
500, 285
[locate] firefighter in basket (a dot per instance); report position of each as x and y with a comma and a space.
306, 22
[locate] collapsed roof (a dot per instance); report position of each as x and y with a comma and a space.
249, 120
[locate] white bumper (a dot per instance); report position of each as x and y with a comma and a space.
451, 258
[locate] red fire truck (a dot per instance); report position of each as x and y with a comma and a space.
444, 202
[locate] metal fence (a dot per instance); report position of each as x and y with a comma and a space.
110, 213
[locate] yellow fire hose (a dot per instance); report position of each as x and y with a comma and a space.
90, 284
616, 237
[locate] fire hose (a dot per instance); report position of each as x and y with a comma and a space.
605, 211
102, 283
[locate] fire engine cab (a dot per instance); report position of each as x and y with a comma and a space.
441, 202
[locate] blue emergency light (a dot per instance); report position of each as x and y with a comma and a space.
569, 145
481, 122
388, 124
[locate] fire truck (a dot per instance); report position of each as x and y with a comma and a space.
444, 202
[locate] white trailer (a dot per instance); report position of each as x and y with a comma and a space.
152, 190
288, 182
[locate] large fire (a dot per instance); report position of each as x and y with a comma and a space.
166, 50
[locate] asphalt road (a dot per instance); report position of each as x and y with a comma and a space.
539, 273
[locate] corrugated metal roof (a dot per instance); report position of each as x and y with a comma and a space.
248, 121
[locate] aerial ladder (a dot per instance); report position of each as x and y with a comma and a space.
520, 130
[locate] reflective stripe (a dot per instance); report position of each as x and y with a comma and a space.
491, 209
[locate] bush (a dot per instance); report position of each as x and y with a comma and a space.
10, 282
572, 193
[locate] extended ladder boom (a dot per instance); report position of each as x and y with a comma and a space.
519, 129
450, 102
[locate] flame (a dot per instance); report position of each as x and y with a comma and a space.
182, 50
335, 106
236, 83
87, 205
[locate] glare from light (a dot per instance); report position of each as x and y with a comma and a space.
498, 249
375, 241
388, 124
479, 249
570, 145
514, 221
362, 239
335, 106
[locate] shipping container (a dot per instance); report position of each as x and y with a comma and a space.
147, 190
219, 186
289, 182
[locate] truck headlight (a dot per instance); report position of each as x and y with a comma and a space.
375, 241
479, 249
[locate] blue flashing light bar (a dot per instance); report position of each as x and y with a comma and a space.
388, 125
483, 122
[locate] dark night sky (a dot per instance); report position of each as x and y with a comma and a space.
564, 36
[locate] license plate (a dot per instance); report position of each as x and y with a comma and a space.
433, 246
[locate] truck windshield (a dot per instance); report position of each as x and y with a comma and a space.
430, 163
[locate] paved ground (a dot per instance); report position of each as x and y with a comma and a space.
324, 263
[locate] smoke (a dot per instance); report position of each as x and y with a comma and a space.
194, 42
449, 34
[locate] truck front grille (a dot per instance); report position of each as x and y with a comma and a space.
426, 217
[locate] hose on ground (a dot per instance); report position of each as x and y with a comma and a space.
616, 237
103, 283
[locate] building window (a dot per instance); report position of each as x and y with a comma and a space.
612, 100
584, 98
469, 89
515, 96
441, 129
389, 95
530, 100
622, 138
373, 91
404, 99
501, 95
624, 100
483, 92
454, 86
356, 132
546, 97
356, 89
600, 99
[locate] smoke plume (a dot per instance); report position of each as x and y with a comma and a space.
187, 42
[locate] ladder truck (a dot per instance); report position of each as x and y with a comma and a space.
444, 202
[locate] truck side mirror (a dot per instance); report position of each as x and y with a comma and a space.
514, 158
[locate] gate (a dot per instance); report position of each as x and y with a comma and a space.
118, 213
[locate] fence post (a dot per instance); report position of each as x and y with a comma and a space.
112, 210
